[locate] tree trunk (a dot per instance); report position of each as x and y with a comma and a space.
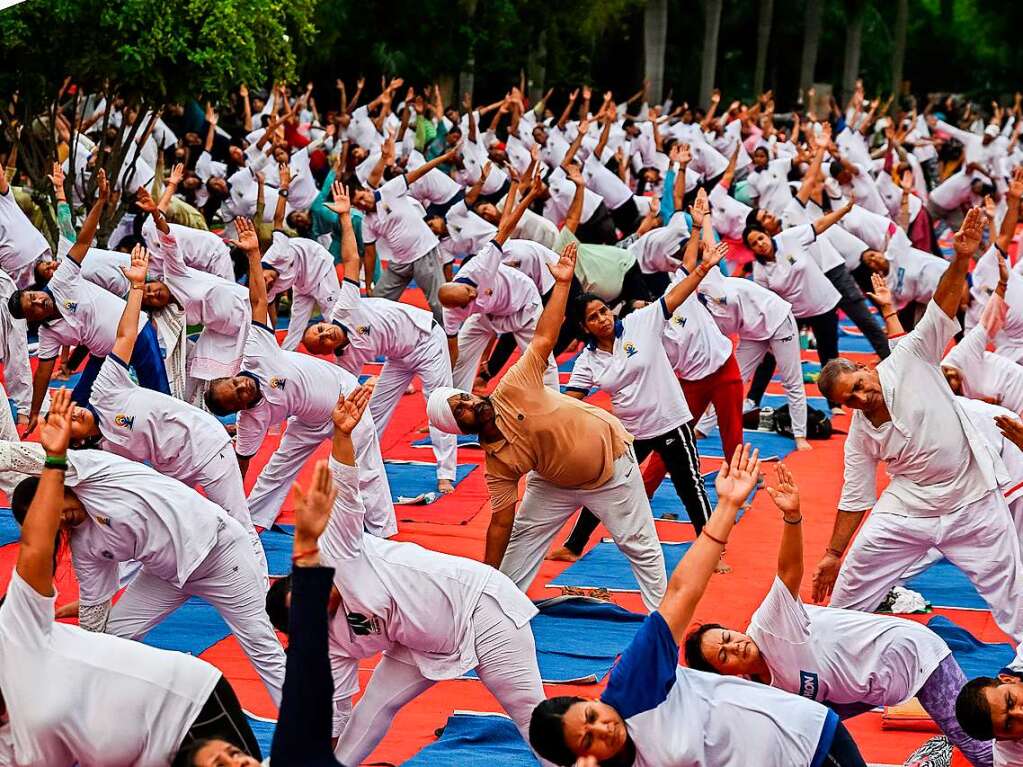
899, 45
947, 10
853, 44
711, 28
536, 68
466, 78
763, 41
655, 39
811, 42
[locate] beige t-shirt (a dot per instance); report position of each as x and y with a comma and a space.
567, 442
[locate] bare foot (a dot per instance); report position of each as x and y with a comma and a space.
722, 567
562, 554
445, 486
803, 444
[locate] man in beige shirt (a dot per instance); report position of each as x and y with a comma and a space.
572, 453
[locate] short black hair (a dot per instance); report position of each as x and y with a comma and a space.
277, 603
187, 753
547, 729
695, 658
628, 123
578, 310
836, 169
456, 128
14, 305
972, 710
750, 228
212, 404
22, 497
751, 217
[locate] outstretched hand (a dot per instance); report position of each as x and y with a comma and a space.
313, 507
785, 492
145, 201
968, 238
55, 434
564, 270
348, 410
139, 267
738, 477
881, 293
247, 239
342, 204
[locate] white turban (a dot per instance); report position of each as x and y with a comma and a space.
439, 411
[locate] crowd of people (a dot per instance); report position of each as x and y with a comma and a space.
685, 253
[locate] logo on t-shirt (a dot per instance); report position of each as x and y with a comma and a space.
362, 330
900, 279
363, 625
630, 349
277, 382
71, 306
809, 684
124, 421
678, 319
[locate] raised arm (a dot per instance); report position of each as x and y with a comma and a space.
785, 495
414, 175
683, 156
814, 171
574, 215
700, 211
510, 218
39, 529
387, 155
128, 326
88, 231
966, 242
1013, 196
734, 483
342, 205
549, 324
176, 175
284, 171
674, 298
881, 295
248, 242
584, 126
563, 120
823, 223
146, 204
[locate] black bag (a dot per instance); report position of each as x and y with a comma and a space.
818, 425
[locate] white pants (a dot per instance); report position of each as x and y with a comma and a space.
784, 345
230, 580
620, 503
300, 440
302, 305
479, 330
507, 667
980, 539
432, 363
222, 482
9, 476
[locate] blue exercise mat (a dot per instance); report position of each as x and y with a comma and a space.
193, 628
70, 383
976, 658
464, 440
666, 504
810, 371
945, 585
568, 365
578, 639
10, 532
419, 480
777, 400
771, 444
264, 732
278, 545
854, 342
604, 566
476, 740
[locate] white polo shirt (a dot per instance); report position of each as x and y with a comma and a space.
174, 437
301, 264
533, 260
913, 276
729, 215
984, 374
822, 250
937, 461
474, 157
953, 192
134, 512
21, 244
695, 346
200, 250
608, 185
795, 275
879, 232
771, 185
501, 292
398, 223
645, 394
862, 187
88, 314
377, 327
562, 190
677, 717
467, 232
290, 384
80, 697
433, 188
842, 656
397, 597
742, 308
660, 249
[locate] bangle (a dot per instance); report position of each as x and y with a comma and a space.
793, 521
890, 314
138, 287
835, 552
718, 541
58, 462
305, 554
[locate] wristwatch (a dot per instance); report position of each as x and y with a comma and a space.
282, 193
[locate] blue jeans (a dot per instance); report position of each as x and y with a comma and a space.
146, 359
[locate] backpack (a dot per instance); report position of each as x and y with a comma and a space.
818, 425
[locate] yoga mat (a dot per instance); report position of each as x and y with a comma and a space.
566, 366
193, 628
578, 639
604, 566
464, 440
945, 585
975, 657
277, 544
474, 740
666, 504
264, 732
772, 445
10, 532
417, 482
777, 400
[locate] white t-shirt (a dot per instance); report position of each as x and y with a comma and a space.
290, 384
136, 513
21, 244
984, 374
914, 275
937, 461
434, 187
645, 394
695, 345
796, 276
953, 192
467, 232
88, 314
532, 259
200, 250
660, 249
174, 437
771, 185
742, 308
878, 232
79, 697
677, 717
501, 292
562, 190
729, 215
842, 656
301, 264
608, 185
398, 223
377, 327
822, 250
